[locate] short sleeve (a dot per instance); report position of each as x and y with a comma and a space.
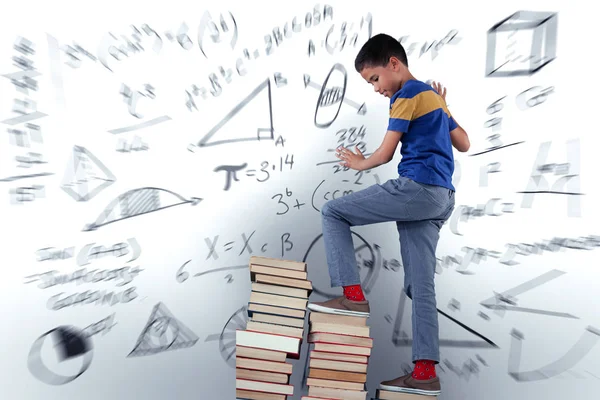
452, 125
402, 113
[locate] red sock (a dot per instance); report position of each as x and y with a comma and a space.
354, 292
424, 369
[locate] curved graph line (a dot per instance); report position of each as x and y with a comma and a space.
227, 338
584, 345
372, 273
123, 199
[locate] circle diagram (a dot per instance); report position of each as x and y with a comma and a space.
60, 355
318, 273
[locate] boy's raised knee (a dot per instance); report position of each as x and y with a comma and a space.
327, 209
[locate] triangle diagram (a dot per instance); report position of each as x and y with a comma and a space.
162, 332
85, 175
400, 337
250, 120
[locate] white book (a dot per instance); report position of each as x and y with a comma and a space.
267, 341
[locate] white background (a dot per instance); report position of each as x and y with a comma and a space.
83, 104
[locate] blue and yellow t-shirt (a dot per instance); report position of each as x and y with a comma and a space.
420, 113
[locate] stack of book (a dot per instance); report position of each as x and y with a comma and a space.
387, 395
274, 331
338, 359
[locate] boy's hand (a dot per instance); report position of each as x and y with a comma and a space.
440, 89
349, 159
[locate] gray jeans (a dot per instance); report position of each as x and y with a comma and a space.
419, 211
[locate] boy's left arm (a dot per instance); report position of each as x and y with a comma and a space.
384, 153
401, 115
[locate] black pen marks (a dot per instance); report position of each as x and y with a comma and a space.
321, 195
280, 81
122, 277
162, 332
540, 95
332, 94
454, 305
346, 36
65, 344
18, 177
281, 203
285, 243
141, 125
182, 276
468, 368
475, 255
401, 338
574, 355
138, 202
131, 98
89, 252
272, 40
368, 263
23, 194
264, 174
226, 338
435, 46
23, 133
208, 26
230, 171
68, 344
506, 301
258, 135
137, 144
529, 32
492, 207
568, 184
85, 175
495, 125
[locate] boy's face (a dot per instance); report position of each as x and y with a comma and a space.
385, 80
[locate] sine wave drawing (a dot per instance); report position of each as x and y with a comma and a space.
138, 202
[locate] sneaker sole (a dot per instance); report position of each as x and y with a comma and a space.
327, 310
410, 390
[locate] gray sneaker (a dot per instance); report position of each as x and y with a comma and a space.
408, 384
343, 306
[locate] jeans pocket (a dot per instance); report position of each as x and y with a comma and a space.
438, 195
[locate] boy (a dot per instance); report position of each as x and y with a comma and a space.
420, 200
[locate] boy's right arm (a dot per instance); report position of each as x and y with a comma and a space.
458, 136
460, 139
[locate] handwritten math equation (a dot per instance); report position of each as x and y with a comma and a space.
321, 193
344, 36
221, 30
24, 130
435, 46
507, 257
245, 245
121, 276
261, 175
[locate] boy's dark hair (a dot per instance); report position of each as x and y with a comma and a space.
376, 52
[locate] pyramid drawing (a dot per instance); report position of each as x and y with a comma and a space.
162, 332
85, 175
